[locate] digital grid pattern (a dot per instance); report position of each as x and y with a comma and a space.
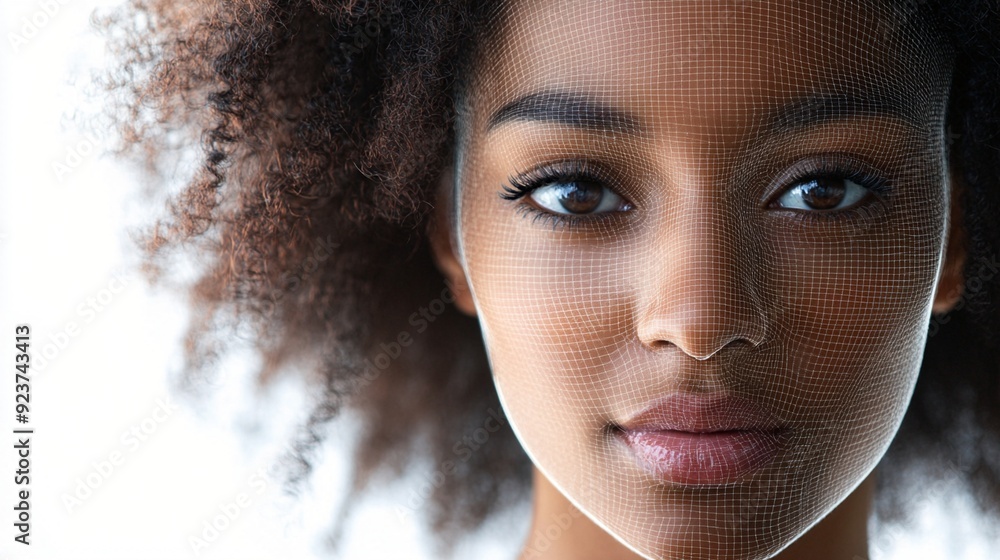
703, 240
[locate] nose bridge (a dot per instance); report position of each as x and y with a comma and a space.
698, 291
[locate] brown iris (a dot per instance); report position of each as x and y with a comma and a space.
823, 193
580, 197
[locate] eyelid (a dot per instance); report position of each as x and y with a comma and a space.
564, 170
837, 164
548, 196
826, 165
523, 184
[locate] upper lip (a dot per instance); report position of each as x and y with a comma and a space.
702, 413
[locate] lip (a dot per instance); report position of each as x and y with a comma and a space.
709, 439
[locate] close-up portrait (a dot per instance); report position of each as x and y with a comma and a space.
501, 279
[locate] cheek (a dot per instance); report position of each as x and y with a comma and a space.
555, 315
849, 314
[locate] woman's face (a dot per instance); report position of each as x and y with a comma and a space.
703, 241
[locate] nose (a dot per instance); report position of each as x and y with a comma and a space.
699, 290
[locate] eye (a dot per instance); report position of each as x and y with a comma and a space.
577, 197
567, 192
823, 193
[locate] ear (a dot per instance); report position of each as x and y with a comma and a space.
950, 281
443, 245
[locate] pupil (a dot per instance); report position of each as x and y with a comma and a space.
823, 193
580, 197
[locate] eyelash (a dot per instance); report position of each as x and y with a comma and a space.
840, 167
523, 184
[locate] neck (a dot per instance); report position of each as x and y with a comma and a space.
560, 532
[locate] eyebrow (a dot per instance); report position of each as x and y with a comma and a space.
567, 108
579, 110
822, 107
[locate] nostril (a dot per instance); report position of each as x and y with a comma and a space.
702, 343
737, 341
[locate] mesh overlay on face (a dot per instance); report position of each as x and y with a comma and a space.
703, 240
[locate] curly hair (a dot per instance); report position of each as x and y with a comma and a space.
324, 127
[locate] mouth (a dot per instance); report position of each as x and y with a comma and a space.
714, 439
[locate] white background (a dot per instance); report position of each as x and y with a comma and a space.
63, 241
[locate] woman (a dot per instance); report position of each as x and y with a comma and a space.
697, 246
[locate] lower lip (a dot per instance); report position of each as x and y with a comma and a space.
709, 458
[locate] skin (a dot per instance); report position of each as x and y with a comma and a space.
843, 534
701, 284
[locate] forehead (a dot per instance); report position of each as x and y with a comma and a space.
697, 63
